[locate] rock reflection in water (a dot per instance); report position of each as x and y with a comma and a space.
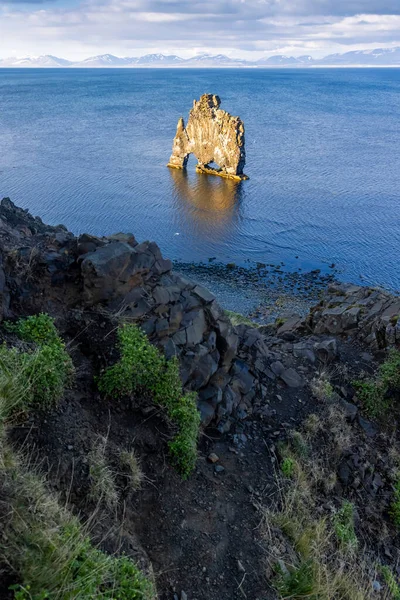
211, 205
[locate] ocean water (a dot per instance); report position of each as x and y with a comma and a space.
88, 148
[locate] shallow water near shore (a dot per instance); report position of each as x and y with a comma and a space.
262, 292
89, 147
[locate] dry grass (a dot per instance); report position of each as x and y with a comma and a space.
103, 487
134, 473
321, 386
313, 551
50, 550
24, 267
339, 436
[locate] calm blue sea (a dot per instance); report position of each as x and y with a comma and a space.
88, 148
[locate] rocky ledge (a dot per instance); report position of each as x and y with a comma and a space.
235, 370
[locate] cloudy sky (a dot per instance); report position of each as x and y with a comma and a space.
76, 29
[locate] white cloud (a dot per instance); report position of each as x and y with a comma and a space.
246, 28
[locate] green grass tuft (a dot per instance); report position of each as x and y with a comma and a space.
239, 319
279, 322
45, 546
376, 395
132, 468
395, 506
43, 369
299, 444
343, 524
142, 366
390, 580
296, 582
287, 467
62, 563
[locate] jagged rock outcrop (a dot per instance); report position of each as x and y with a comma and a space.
212, 135
49, 269
370, 314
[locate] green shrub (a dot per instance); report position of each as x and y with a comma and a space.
142, 367
372, 395
44, 369
395, 506
36, 328
375, 394
139, 366
343, 524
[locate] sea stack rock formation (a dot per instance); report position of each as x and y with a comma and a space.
213, 136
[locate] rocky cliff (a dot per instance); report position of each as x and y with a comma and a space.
233, 369
260, 389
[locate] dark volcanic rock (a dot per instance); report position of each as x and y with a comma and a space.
370, 314
235, 370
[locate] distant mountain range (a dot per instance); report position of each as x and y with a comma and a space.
378, 57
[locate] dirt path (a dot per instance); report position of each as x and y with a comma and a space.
203, 536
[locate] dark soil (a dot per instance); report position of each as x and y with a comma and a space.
202, 535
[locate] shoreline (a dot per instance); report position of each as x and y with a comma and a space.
261, 293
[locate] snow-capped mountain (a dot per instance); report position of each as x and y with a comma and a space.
378, 57
213, 60
159, 59
35, 61
103, 60
109, 60
279, 59
305, 60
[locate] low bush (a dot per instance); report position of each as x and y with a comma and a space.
142, 367
377, 394
36, 328
44, 367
